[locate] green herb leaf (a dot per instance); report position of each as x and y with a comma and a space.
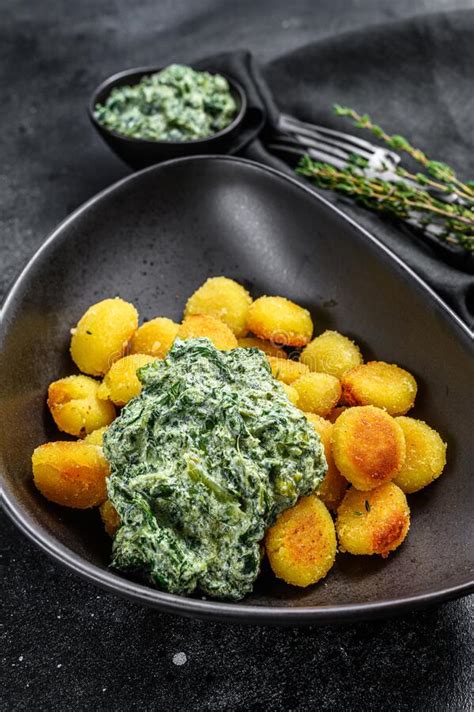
421, 198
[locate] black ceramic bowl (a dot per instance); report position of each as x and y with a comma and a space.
156, 236
140, 153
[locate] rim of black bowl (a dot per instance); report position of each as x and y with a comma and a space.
235, 612
109, 82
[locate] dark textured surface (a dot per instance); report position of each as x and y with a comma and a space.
64, 641
70, 646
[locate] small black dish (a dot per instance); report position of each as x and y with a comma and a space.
138, 152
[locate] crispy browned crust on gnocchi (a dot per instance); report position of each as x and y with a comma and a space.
223, 299
286, 370
208, 326
102, 335
110, 517
71, 473
253, 342
374, 522
76, 407
121, 382
425, 455
319, 392
332, 353
332, 488
301, 545
280, 321
384, 385
154, 337
368, 446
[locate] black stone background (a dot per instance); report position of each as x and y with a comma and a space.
66, 644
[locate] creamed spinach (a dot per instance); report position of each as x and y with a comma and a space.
201, 463
176, 104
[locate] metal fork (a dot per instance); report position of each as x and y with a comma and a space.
297, 138
294, 139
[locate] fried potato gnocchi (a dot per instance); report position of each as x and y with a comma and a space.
110, 517
223, 299
102, 335
292, 393
384, 385
287, 370
319, 392
280, 321
373, 522
96, 437
425, 455
301, 545
71, 473
121, 382
332, 488
154, 337
375, 454
210, 327
368, 446
76, 407
332, 353
252, 342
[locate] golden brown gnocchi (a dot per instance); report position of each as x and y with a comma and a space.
121, 382
332, 353
213, 329
71, 473
102, 335
373, 458
280, 321
319, 392
301, 545
110, 517
252, 342
223, 299
374, 522
154, 337
76, 407
384, 385
368, 446
287, 370
425, 455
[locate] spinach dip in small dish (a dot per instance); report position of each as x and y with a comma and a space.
176, 104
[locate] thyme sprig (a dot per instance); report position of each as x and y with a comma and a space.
436, 201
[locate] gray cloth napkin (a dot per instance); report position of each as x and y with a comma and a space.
414, 78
